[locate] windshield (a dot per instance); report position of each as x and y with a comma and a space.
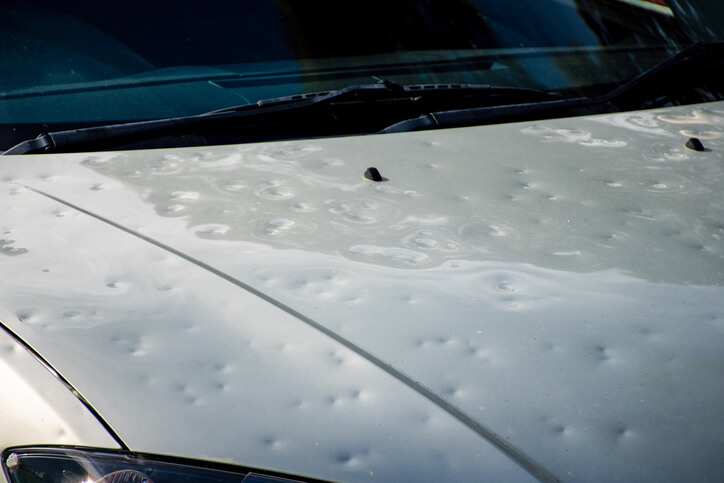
80, 63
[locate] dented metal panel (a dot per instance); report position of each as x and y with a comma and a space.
540, 299
180, 361
36, 406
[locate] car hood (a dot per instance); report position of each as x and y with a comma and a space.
535, 300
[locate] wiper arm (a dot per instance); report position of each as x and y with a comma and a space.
392, 108
100, 137
693, 66
389, 101
653, 87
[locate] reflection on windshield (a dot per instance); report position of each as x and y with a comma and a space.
66, 64
156, 35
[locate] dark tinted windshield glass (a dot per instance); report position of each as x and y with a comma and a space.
79, 62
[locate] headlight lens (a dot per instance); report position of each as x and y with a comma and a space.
76, 465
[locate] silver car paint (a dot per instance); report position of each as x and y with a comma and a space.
36, 407
539, 299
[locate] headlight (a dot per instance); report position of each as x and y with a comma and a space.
76, 465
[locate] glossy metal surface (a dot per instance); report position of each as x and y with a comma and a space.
543, 294
35, 406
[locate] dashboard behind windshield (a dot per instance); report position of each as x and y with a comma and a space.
81, 63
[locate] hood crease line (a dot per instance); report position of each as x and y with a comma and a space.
524, 461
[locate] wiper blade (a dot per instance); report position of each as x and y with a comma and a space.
330, 113
690, 68
388, 107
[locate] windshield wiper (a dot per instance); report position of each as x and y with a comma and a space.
689, 76
352, 110
386, 107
